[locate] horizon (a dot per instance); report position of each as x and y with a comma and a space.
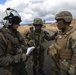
31, 9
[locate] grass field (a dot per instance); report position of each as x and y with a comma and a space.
24, 29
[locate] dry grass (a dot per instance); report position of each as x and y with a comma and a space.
24, 29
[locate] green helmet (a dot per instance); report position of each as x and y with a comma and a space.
38, 22
65, 15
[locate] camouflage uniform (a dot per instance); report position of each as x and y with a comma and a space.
37, 39
12, 47
63, 51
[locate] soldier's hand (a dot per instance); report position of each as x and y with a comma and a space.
52, 51
20, 57
24, 57
17, 58
31, 43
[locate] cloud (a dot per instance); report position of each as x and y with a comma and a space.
45, 9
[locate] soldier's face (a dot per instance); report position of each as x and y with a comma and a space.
38, 28
60, 24
15, 26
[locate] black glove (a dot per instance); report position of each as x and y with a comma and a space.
24, 57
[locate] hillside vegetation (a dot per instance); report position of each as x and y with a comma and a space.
24, 29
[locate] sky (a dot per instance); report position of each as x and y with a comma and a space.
44, 9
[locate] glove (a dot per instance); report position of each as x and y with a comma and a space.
20, 57
52, 51
5, 61
24, 57
17, 58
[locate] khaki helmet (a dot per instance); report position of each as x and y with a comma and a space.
65, 15
38, 22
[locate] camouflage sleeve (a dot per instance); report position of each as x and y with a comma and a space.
72, 44
28, 38
22, 41
49, 37
21, 37
2, 46
4, 58
28, 35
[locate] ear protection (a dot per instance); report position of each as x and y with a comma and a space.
7, 21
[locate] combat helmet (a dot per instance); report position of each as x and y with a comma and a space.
65, 15
37, 22
11, 17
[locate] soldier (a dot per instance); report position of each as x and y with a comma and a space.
36, 36
63, 51
12, 46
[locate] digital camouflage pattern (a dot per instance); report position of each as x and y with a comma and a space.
37, 21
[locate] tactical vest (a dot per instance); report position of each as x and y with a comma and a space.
61, 46
12, 44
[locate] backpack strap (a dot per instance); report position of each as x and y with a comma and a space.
8, 36
2, 35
